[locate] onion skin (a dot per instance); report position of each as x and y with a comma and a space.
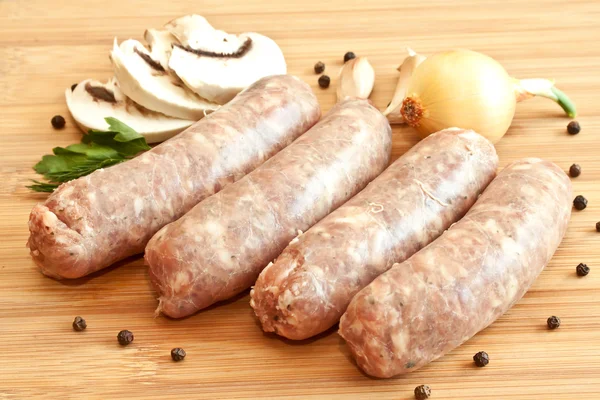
460, 88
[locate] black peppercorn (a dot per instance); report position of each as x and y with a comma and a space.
598, 226
177, 354
553, 322
79, 324
349, 56
582, 269
573, 128
575, 170
481, 359
319, 68
58, 122
324, 81
73, 86
125, 337
580, 202
422, 392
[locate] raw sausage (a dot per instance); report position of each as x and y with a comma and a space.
218, 249
443, 295
89, 223
410, 204
94, 221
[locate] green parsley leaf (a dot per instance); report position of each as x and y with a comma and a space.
126, 149
42, 187
125, 132
60, 162
84, 168
94, 151
97, 150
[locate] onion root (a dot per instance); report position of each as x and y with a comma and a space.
412, 111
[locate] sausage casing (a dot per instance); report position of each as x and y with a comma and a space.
218, 249
410, 204
455, 287
91, 222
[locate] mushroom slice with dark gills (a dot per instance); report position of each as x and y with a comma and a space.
160, 43
218, 65
92, 101
143, 78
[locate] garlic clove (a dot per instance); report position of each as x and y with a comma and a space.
410, 63
356, 80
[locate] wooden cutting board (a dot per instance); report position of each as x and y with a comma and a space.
45, 46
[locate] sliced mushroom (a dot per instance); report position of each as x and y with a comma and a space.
218, 65
92, 101
160, 43
190, 30
145, 80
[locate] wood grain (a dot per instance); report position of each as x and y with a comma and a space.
45, 46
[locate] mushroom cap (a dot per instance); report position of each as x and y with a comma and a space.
143, 78
89, 111
218, 65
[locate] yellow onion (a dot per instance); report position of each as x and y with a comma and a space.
466, 89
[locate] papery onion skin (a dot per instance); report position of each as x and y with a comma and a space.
460, 88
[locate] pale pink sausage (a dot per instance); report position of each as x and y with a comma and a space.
411, 203
89, 223
218, 249
446, 293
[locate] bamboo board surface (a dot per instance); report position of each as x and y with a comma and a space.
46, 45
